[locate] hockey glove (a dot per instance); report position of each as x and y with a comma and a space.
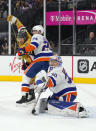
21, 51
25, 65
41, 87
11, 19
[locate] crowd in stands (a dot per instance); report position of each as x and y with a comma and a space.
3, 8
4, 46
30, 13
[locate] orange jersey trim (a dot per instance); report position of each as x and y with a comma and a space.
50, 83
74, 107
29, 67
34, 61
29, 48
25, 89
72, 93
42, 59
68, 97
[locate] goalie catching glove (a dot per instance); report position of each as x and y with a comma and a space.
41, 81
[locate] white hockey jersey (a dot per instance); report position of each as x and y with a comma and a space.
59, 79
40, 45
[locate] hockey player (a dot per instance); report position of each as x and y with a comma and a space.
42, 54
23, 38
63, 88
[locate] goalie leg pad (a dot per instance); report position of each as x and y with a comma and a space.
67, 108
56, 111
43, 105
62, 104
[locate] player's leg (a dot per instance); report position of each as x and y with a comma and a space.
35, 68
67, 108
30, 73
31, 94
63, 103
26, 91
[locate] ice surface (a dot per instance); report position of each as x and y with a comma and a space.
13, 118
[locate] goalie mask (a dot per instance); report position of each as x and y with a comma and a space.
55, 61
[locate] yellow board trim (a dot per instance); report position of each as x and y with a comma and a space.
84, 80
11, 78
75, 79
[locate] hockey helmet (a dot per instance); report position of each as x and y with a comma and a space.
22, 29
22, 34
38, 28
56, 59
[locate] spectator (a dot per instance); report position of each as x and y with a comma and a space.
26, 6
51, 45
13, 46
13, 49
5, 46
3, 9
88, 45
0, 45
53, 48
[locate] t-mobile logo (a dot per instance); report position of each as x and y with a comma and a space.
52, 18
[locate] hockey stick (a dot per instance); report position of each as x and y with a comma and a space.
34, 108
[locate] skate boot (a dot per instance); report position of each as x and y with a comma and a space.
23, 99
81, 111
31, 96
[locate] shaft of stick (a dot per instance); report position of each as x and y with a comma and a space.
33, 110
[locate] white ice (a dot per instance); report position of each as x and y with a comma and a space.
13, 118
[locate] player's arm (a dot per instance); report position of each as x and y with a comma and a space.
17, 22
51, 82
33, 44
41, 81
29, 47
54, 78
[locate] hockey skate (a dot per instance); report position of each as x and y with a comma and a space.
28, 98
81, 112
31, 97
23, 99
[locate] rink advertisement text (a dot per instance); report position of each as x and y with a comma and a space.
81, 68
83, 17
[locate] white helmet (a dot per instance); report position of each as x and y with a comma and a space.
38, 28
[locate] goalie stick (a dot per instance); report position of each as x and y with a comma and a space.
34, 108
